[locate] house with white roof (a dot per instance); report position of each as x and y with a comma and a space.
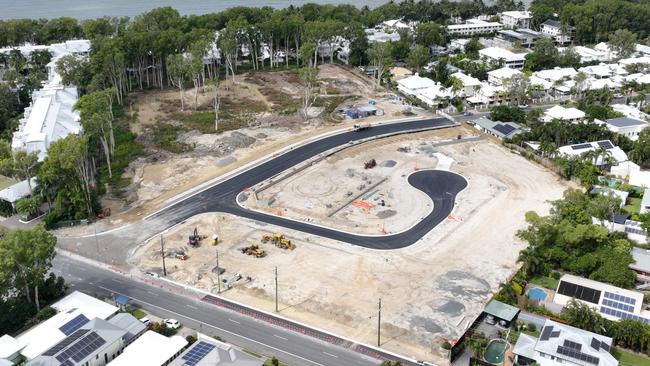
561, 344
601, 71
474, 26
380, 36
643, 60
560, 35
542, 83
611, 302
641, 264
642, 49
556, 74
604, 47
500, 76
639, 78
73, 311
151, 349
486, 94
597, 84
626, 126
433, 95
412, 84
559, 112
629, 111
614, 152
470, 83
395, 24
497, 55
590, 55
516, 19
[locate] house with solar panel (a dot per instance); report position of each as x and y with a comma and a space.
498, 129
625, 126
613, 153
207, 351
613, 303
561, 344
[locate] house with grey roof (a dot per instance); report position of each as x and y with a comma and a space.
626, 126
133, 327
561, 35
561, 344
95, 343
207, 351
498, 129
641, 264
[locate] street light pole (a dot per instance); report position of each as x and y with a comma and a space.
218, 274
379, 326
276, 289
162, 252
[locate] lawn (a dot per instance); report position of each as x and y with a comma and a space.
137, 313
634, 206
545, 281
626, 358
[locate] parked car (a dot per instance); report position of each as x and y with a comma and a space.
152, 274
467, 113
172, 323
490, 320
144, 320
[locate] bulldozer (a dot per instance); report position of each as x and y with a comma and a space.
370, 164
285, 243
254, 250
278, 240
195, 239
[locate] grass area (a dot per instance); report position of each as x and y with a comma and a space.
251, 353
270, 363
164, 137
137, 313
545, 281
283, 103
126, 150
633, 207
532, 334
626, 358
233, 115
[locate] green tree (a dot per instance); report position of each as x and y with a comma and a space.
430, 34
544, 55
418, 57
28, 207
26, 259
309, 77
623, 42
380, 59
580, 315
477, 342
603, 206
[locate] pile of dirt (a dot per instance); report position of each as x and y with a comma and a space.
218, 145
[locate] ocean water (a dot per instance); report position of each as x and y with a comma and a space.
87, 9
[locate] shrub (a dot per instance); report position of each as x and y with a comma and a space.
531, 327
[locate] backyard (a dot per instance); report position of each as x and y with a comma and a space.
626, 358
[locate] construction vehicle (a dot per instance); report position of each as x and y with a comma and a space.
181, 256
361, 126
215, 239
195, 238
370, 164
279, 241
254, 250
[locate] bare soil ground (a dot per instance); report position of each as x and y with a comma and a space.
430, 291
260, 108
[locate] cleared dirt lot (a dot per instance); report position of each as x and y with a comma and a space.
430, 291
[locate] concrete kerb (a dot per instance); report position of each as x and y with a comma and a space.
205, 293
207, 185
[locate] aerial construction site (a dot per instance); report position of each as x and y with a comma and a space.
431, 290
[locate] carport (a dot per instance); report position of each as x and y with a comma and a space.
501, 311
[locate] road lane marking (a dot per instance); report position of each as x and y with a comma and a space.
331, 355
115, 280
277, 336
152, 293
215, 327
234, 321
192, 307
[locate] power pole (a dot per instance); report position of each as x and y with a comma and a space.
162, 253
276, 289
379, 326
218, 274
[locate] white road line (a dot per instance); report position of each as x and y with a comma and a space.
277, 336
152, 293
192, 307
215, 327
115, 280
331, 355
234, 321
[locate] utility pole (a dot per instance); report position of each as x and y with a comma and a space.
379, 326
218, 274
276, 289
162, 253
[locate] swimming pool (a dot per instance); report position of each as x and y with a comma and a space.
537, 294
495, 351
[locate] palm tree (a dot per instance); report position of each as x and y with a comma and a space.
531, 262
477, 343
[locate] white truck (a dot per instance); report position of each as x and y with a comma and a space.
361, 126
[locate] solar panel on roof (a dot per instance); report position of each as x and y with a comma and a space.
66, 342
197, 353
605, 144
575, 354
546, 333
581, 146
604, 346
574, 345
555, 334
74, 324
504, 129
595, 344
579, 292
82, 348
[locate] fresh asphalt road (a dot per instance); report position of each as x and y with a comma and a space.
441, 186
255, 335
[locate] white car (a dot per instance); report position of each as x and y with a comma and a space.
144, 320
172, 323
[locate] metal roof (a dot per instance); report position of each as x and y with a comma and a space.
501, 310
625, 122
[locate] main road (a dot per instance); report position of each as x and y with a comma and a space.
441, 187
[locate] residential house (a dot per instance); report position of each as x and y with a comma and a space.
554, 29
626, 126
470, 84
518, 38
629, 111
516, 19
473, 27
412, 84
433, 95
151, 349
498, 55
641, 264
207, 351
498, 129
500, 76
611, 302
645, 201
572, 115
610, 151
561, 344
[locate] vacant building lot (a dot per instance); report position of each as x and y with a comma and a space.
430, 291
